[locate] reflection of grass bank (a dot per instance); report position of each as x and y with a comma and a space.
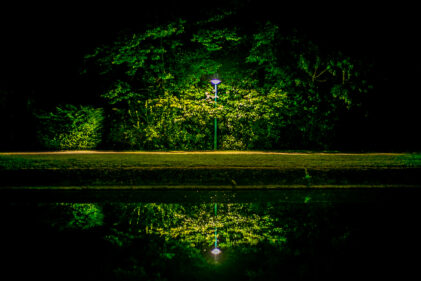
207, 176
210, 168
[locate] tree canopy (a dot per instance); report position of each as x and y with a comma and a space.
279, 89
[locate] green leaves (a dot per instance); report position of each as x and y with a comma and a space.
214, 40
278, 91
262, 50
120, 92
71, 127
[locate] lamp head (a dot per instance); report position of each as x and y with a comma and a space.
215, 81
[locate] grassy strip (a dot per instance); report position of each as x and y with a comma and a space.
208, 169
120, 160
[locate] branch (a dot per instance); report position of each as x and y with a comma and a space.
314, 73
321, 73
314, 77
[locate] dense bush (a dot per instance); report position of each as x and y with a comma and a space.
246, 120
71, 127
166, 122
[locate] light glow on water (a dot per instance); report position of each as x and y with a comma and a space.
216, 251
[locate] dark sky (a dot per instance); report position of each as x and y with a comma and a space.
42, 45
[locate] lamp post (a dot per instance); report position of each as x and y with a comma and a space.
216, 251
215, 82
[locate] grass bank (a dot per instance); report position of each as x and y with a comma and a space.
226, 169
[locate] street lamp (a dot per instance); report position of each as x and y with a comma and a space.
215, 82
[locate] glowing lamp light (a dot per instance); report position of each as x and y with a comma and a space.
216, 251
215, 81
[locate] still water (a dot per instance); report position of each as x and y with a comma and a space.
210, 235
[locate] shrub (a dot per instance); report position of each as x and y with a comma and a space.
71, 127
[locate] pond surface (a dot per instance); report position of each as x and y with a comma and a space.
259, 235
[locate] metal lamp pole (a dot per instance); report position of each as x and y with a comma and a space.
215, 82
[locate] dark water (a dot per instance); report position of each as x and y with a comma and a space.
262, 235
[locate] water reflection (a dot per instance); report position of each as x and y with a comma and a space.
198, 226
260, 240
216, 251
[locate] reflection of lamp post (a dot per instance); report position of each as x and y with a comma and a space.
216, 251
215, 82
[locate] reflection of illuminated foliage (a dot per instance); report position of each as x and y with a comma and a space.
149, 241
82, 215
237, 224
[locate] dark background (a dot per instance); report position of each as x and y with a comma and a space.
42, 49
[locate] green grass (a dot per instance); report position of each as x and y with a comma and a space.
230, 169
93, 160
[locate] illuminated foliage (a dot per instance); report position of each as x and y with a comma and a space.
71, 127
278, 90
